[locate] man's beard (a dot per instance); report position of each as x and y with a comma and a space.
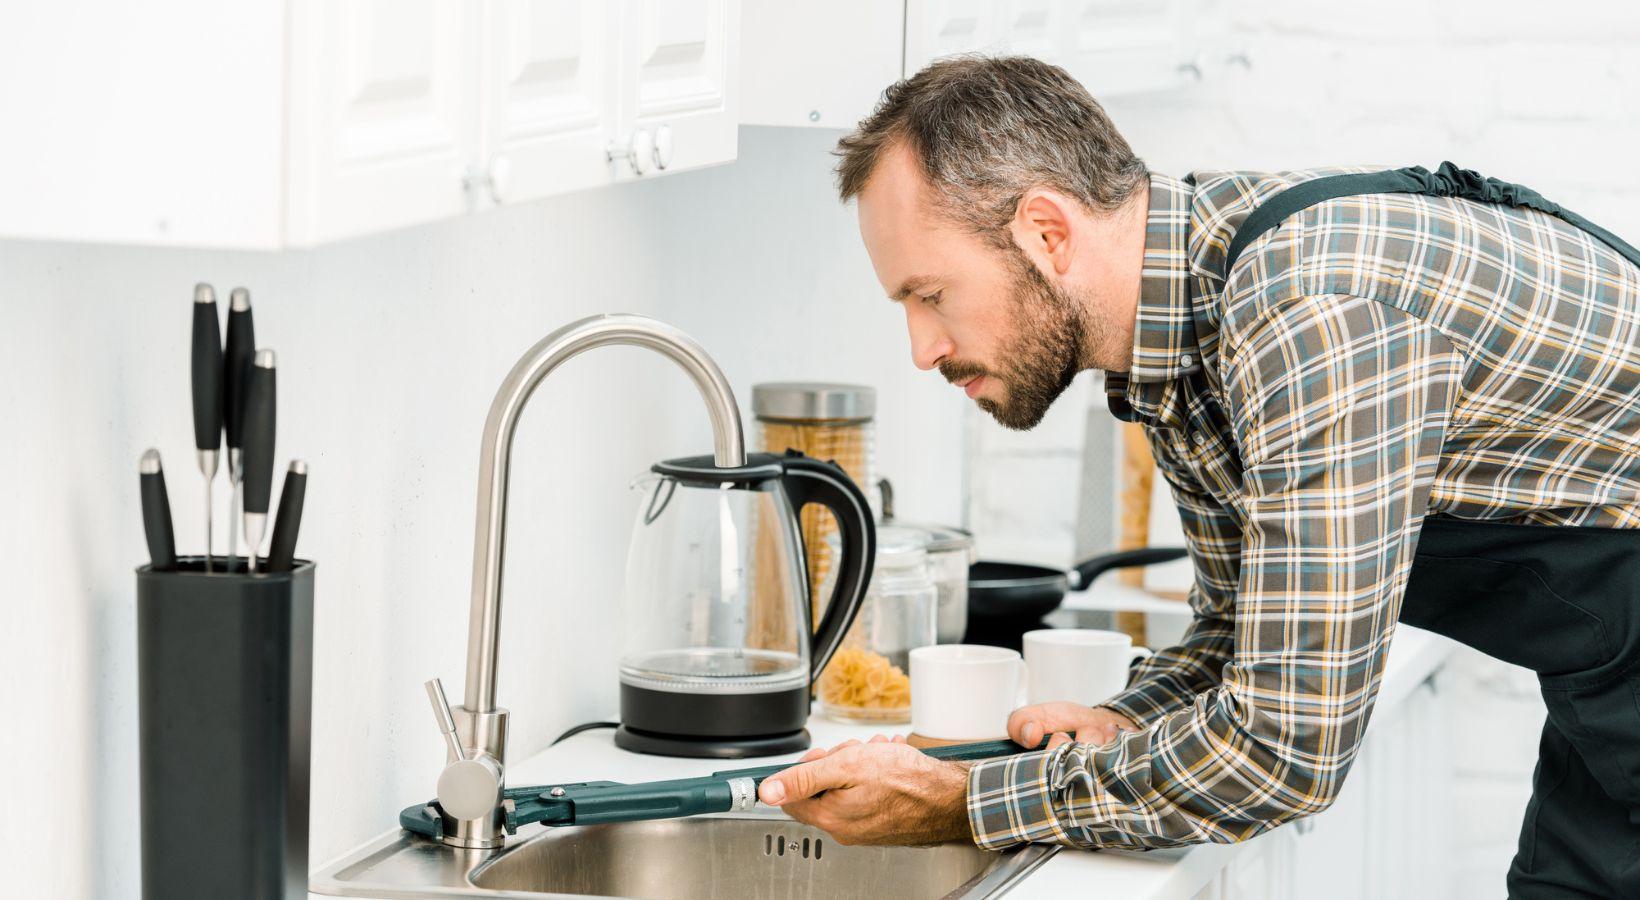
1044, 355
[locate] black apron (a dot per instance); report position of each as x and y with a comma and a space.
1561, 601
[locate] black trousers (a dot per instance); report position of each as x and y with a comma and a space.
1565, 603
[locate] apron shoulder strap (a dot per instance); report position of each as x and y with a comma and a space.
1447, 181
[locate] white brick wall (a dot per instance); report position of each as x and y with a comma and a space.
1545, 94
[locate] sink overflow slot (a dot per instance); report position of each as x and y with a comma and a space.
777, 845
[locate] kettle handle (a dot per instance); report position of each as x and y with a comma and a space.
808, 480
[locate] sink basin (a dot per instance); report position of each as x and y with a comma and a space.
746, 855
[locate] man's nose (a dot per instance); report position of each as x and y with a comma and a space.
929, 343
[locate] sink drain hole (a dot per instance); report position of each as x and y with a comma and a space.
816, 848
780, 846
768, 845
805, 848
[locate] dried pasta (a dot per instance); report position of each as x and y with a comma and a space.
860, 679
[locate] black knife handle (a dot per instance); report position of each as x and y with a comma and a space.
207, 370
241, 349
259, 431
282, 549
156, 514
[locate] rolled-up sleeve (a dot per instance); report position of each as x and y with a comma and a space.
1339, 407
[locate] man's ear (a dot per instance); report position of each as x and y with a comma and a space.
1043, 227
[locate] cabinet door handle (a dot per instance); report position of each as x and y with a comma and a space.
638, 152
500, 176
663, 147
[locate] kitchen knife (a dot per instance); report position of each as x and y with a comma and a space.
207, 391
258, 449
599, 802
282, 547
156, 513
236, 361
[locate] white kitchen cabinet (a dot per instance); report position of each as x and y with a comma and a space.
677, 77
821, 63
475, 104
811, 63
1111, 46
1262, 870
158, 122
548, 98
1388, 834
1129, 46
936, 28
275, 123
383, 114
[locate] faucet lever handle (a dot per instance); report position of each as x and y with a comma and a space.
446, 721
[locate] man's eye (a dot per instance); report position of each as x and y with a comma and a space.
933, 299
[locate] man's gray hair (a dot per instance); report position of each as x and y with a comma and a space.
987, 130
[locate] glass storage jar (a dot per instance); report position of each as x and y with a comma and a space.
826, 421
868, 680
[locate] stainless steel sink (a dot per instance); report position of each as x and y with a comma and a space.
751, 855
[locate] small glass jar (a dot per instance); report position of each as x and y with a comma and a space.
869, 680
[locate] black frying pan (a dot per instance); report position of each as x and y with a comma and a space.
1001, 590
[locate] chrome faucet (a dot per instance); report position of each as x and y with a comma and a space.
470, 787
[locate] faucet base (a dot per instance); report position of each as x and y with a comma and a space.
480, 734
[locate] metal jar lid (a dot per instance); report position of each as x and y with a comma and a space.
900, 548
814, 401
941, 538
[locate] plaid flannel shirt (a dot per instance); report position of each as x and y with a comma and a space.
1374, 360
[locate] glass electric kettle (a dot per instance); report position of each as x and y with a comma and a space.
719, 650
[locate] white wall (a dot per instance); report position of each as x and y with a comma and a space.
390, 349
1545, 94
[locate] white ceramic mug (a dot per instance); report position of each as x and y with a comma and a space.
964, 692
1082, 665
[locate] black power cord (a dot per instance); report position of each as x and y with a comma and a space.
584, 726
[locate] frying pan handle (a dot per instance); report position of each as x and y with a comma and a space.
1086, 572
811, 481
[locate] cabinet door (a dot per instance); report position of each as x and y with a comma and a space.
1125, 46
1261, 869
677, 78
1329, 855
817, 63
548, 97
936, 28
1031, 28
383, 118
143, 123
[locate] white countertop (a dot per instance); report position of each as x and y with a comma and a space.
1156, 874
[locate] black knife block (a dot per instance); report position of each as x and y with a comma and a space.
225, 697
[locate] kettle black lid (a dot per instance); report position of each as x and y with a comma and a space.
703, 471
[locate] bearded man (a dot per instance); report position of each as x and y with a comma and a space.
1377, 396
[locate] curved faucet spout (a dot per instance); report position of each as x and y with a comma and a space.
729, 445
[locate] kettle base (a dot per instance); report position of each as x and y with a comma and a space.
711, 748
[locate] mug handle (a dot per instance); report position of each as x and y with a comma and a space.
1134, 655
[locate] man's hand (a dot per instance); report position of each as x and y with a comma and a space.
1066, 722
879, 792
